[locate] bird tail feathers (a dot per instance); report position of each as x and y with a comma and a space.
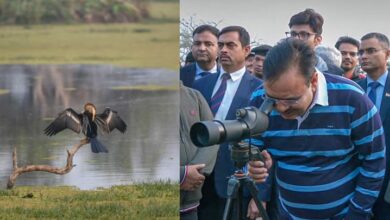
97, 146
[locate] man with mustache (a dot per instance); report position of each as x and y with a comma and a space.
374, 53
226, 92
204, 50
348, 48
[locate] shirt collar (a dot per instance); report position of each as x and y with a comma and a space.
381, 80
200, 70
320, 97
234, 75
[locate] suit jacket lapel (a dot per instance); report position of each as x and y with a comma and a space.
192, 73
363, 84
210, 86
385, 105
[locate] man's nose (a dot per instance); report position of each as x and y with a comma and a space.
280, 107
202, 46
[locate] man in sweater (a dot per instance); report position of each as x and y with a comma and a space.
194, 162
325, 137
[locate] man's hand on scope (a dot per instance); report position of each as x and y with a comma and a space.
258, 170
194, 177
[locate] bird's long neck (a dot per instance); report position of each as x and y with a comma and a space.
90, 108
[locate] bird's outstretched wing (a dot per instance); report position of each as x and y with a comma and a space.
109, 120
66, 119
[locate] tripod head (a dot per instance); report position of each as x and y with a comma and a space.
242, 153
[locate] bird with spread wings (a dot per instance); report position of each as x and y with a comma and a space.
88, 122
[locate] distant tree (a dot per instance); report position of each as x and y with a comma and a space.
27, 12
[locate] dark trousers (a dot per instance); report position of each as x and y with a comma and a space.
381, 209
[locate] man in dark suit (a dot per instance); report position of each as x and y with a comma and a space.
204, 50
374, 53
226, 92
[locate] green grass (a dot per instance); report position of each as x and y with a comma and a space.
139, 201
151, 44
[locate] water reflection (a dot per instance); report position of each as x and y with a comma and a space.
148, 151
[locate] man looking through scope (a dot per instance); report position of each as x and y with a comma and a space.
325, 137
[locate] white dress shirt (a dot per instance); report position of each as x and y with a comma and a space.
231, 89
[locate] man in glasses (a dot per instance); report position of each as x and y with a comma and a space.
324, 135
348, 48
374, 53
307, 26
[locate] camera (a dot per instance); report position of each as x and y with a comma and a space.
249, 121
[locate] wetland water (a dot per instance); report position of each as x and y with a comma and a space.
31, 96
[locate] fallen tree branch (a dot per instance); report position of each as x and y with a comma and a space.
46, 168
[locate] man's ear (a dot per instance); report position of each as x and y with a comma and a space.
387, 54
314, 81
317, 40
247, 50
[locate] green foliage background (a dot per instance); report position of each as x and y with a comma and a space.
149, 43
29, 12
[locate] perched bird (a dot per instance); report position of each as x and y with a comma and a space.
88, 122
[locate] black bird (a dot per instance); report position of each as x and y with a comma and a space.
88, 122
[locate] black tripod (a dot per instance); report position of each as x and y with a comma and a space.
241, 154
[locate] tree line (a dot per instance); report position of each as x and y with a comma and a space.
26, 12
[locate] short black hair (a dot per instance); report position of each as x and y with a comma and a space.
347, 40
242, 33
381, 38
287, 53
310, 17
261, 50
206, 27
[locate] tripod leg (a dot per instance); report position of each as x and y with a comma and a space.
254, 191
232, 191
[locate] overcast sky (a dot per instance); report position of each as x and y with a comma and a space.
267, 21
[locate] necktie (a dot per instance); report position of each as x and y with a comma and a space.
372, 94
216, 100
202, 74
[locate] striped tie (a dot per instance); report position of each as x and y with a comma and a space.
216, 100
372, 94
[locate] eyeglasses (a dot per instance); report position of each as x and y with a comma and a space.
287, 102
369, 51
352, 54
303, 35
